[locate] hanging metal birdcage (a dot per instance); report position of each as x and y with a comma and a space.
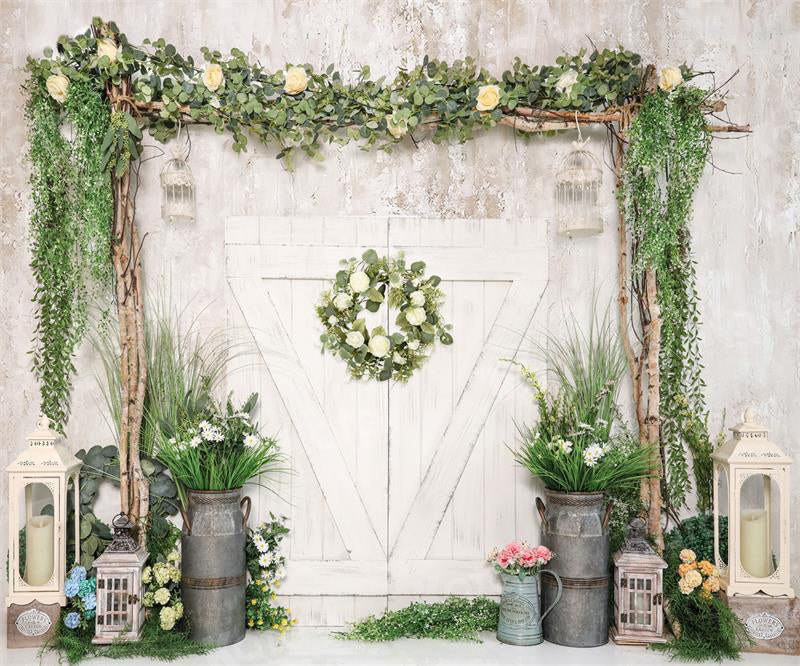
578, 182
177, 188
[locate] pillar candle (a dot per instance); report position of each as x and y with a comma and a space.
754, 543
39, 550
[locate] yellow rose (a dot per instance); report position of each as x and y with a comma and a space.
684, 568
107, 47
57, 85
713, 583
488, 97
706, 568
670, 79
296, 80
693, 578
213, 77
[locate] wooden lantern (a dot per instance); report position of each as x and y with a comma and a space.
37, 537
751, 488
578, 182
638, 590
120, 611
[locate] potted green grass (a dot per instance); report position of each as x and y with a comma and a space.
210, 459
580, 450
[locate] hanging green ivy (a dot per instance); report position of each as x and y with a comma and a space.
69, 231
668, 148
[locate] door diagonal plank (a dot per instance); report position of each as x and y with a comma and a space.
308, 418
473, 407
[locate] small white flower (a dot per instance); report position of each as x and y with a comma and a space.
332, 320
342, 301
355, 339
262, 547
415, 316
417, 298
566, 81
195, 441
413, 345
359, 281
397, 358
566, 446
251, 441
592, 455
379, 345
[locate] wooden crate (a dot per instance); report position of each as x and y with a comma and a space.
30, 625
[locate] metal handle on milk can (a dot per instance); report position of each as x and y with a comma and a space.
558, 594
245, 512
186, 521
540, 508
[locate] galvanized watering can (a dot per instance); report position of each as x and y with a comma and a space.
520, 620
575, 525
213, 569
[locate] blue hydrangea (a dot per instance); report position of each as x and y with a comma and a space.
78, 574
90, 601
89, 614
87, 587
72, 620
71, 587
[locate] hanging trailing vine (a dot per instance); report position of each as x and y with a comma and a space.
70, 227
668, 147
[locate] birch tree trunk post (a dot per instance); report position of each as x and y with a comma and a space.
127, 264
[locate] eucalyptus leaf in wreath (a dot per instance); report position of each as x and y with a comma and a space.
369, 284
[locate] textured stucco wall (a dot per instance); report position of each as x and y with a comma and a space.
745, 228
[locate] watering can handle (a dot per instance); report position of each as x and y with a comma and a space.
245, 512
607, 515
558, 594
540, 509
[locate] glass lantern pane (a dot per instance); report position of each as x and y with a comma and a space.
37, 535
759, 525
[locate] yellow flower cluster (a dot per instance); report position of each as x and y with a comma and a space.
694, 574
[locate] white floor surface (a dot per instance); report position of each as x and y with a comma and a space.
317, 646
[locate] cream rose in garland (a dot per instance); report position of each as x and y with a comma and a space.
213, 77
366, 284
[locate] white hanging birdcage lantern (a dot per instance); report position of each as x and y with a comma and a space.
177, 188
578, 181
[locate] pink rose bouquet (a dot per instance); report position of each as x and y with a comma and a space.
520, 559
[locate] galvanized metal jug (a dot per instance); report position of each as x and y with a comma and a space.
520, 619
213, 569
575, 528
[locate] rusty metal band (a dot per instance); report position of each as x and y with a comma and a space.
572, 500
578, 583
214, 499
213, 583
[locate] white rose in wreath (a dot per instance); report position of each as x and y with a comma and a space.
670, 79
415, 316
213, 77
359, 281
413, 345
379, 346
296, 80
566, 81
417, 298
57, 85
355, 339
397, 358
107, 47
488, 97
342, 301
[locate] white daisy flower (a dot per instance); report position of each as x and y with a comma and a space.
252, 441
592, 455
195, 441
262, 547
264, 561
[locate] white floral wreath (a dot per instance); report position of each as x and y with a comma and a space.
363, 284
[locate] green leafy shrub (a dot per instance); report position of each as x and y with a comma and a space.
456, 619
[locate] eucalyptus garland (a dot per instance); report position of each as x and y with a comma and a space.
364, 285
667, 152
69, 232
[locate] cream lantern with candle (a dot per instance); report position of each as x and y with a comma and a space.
37, 479
751, 488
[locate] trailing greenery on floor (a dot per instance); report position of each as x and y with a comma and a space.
70, 231
75, 645
667, 152
704, 630
456, 619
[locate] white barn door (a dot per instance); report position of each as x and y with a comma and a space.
397, 490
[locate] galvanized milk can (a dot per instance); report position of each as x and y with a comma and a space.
520, 619
213, 569
575, 525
